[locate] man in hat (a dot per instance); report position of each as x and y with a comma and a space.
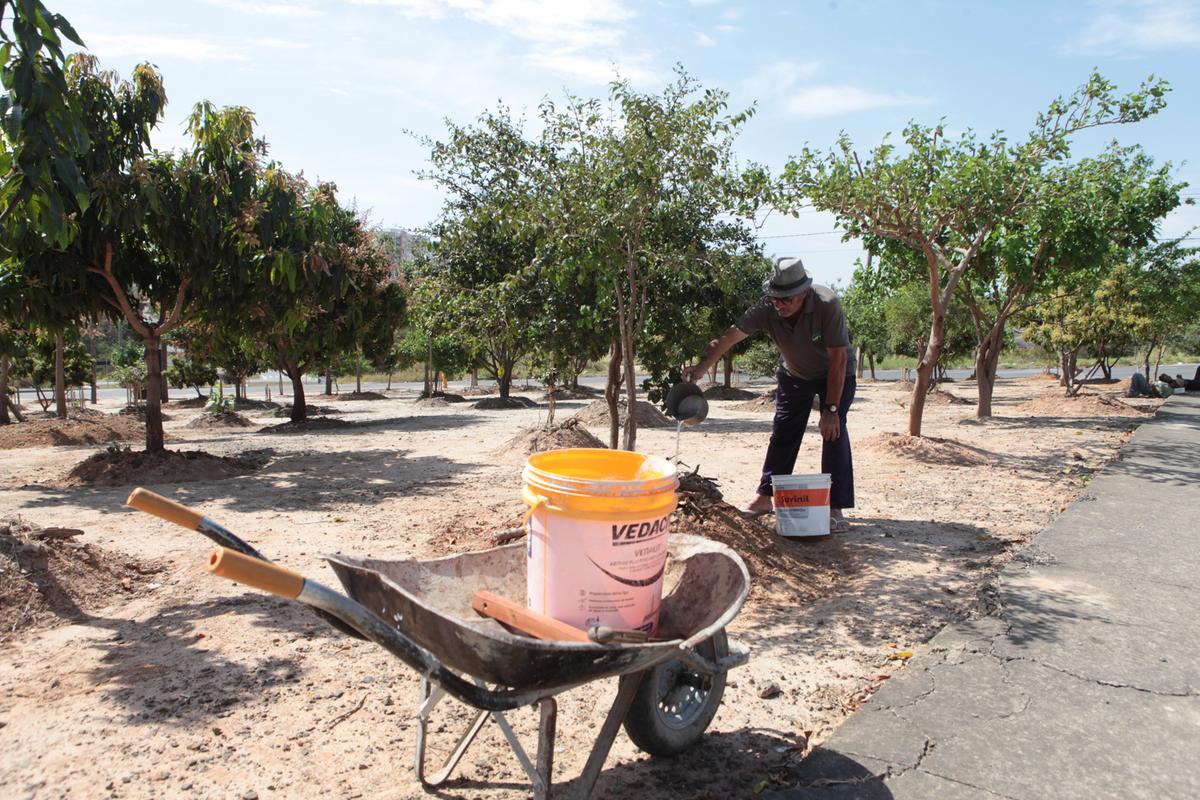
815, 360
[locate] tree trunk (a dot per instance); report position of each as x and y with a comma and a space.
872, 357
166, 395
389, 383
60, 377
728, 359
4, 368
474, 377
987, 357
358, 372
154, 425
862, 364
504, 381
611, 390
92, 350
429, 370
630, 438
299, 406
925, 368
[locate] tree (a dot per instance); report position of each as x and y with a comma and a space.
481, 276
1076, 215
634, 202
342, 296
945, 200
863, 302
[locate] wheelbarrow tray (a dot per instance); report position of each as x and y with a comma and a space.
429, 601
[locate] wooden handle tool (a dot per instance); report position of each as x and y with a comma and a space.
164, 507
255, 572
524, 620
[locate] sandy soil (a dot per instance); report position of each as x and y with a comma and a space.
186, 685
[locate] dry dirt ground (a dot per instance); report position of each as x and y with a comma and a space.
170, 683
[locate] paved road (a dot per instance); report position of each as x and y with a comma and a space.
113, 393
1082, 682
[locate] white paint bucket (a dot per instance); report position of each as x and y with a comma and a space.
598, 523
801, 504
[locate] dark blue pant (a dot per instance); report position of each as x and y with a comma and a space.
793, 402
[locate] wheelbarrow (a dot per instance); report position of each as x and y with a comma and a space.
421, 611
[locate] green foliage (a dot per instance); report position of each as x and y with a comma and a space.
41, 129
947, 201
218, 403
33, 357
907, 315
864, 302
761, 357
189, 370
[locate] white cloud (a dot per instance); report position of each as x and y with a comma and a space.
781, 84
830, 101
563, 34
704, 2
281, 44
704, 40
732, 14
596, 70
155, 48
266, 9
1139, 25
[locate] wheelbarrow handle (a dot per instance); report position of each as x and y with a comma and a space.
172, 511
235, 566
355, 617
165, 508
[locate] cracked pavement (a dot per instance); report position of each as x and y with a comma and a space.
1082, 680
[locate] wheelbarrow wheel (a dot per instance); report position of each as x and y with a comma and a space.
674, 704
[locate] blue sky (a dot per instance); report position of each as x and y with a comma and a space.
335, 84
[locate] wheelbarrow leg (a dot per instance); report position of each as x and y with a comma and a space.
430, 698
548, 724
626, 689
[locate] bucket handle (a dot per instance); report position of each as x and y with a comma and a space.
538, 502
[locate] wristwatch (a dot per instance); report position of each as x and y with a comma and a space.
830, 407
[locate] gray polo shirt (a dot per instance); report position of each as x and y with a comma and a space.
820, 323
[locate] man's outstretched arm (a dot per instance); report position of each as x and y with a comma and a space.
716, 348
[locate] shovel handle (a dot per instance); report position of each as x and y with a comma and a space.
235, 566
164, 507
526, 621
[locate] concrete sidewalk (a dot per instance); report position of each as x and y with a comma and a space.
1084, 679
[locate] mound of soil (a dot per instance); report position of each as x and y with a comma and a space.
124, 467
569, 433
223, 418
46, 577
1057, 404
504, 403
927, 449
361, 396
190, 402
479, 391
309, 425
88, 427
763, 403
257, 405
309, 409
780, 569
941, 398
646, 414
565, 393
728, 393
138, 412
441, 399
